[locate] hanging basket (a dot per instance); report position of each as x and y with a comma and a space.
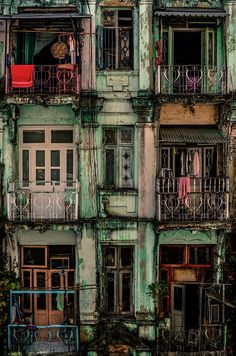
59, 50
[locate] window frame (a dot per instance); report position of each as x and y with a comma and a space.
117, 29
186, 256
118, 271
208, 30
47, 147
117, 147
203, 158
25, 266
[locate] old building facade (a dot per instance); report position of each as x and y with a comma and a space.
117, 137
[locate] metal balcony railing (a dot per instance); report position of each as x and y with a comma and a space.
187, 3
206, 338
208, 199
50, 79
189, 79
27, 337
52, 201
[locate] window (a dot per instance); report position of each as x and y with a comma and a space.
198, 36
186, 255
118, 264
180, 161
172, 255
118, 147
116, 39
47, 155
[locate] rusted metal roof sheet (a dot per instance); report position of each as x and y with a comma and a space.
191, 13
191, 134
49, 15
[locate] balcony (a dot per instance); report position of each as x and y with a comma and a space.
206, 338
208, 199
52, 201
188, 80
39, 332
187, 3
49, 80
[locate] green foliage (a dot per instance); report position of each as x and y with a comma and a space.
157, 291
8, 280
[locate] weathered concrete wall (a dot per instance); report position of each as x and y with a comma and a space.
179, 114
147, 170
86, 273
230, 40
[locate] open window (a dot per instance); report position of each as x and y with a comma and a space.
115, 39
190, 55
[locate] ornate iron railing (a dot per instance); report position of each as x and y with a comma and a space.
53, 201
206, 338
38, 338
188, 79
29, 337
50, 79
187, 3
208, 199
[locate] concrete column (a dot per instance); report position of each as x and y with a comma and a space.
145, 45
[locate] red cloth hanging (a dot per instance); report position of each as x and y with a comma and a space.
22, 75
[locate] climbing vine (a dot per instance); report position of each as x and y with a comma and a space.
8, 280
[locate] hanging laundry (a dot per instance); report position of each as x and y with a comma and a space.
196, 164
184, 187
72, 49
22, 75
60, 301
183, 162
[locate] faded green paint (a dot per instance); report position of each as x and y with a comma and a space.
181, 236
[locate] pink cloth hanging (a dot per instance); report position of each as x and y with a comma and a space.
196, 164
22, 75
184, 187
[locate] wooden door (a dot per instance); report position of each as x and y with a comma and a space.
41, 300
57, 301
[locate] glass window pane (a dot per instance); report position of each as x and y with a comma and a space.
40, 176
110, 256
126, 254
62, 136
69, 165
41, 301
26, 279
40, 280
40, 158
126, 135
110, 167
110, 136
26, 301
25, 173
71, 279
55, 175
110, 292
200, 255
55, 158
36, 136
172, 255
126, 292
34, 256
56, 280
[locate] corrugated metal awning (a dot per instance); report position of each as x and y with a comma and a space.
191, 13
46, 15
191, 134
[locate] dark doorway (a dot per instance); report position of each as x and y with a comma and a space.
192, 310
187, 48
